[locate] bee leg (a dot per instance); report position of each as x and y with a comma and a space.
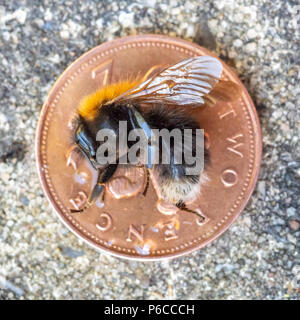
103, 196
182, 206
103, 176
97, 190
137, 121
147, 182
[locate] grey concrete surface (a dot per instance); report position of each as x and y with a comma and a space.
257, 258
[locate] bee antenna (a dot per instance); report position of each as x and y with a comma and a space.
147, 183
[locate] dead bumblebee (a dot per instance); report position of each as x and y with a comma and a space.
160, 102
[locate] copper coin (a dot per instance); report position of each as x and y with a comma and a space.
131, 225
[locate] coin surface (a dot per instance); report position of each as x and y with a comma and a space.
130, 224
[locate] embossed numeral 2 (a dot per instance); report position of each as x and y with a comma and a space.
103, 72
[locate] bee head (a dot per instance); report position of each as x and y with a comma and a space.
85, 141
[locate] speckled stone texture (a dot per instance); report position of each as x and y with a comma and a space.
257, 258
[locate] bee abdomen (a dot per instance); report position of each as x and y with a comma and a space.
183, 190
174, 182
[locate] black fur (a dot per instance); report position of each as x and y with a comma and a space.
157, 117
160, 117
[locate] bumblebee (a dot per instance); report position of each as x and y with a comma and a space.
160, 102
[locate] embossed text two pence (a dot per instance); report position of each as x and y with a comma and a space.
130, 224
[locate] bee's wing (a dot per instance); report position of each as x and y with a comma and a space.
186, 83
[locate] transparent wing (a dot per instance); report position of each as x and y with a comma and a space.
184, 83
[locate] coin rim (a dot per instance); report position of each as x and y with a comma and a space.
256, 162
